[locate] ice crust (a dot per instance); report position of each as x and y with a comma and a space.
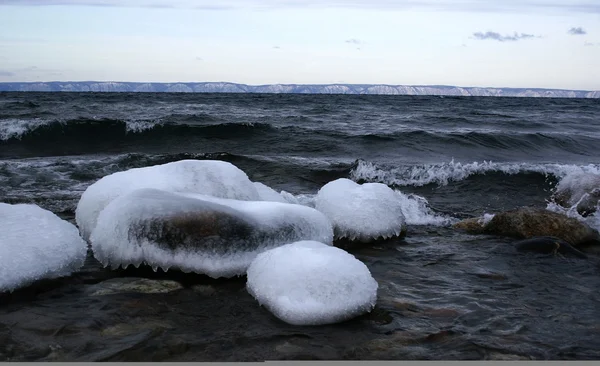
36, 244
311, 283
361, 212
200, 233
266, 193
210, 177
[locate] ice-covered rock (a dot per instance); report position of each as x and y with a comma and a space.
310, 283
267, 193
36, 244
361, 212
210, 177
200, 233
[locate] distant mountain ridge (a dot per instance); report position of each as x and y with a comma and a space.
225, 87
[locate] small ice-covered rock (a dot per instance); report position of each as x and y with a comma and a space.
211, 177
361, 212
199, 233
36, 244
310, 283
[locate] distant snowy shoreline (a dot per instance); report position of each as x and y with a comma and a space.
356, 89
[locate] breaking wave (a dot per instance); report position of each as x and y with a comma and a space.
444, 173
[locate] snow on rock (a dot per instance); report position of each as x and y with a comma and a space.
210, 177
361, 212
311, 283
200, 233
267, 193
36, 244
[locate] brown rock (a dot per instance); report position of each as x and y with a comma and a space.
472, 225
528, 222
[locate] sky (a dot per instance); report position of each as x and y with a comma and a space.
484, 43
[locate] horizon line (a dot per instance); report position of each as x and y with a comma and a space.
295, 84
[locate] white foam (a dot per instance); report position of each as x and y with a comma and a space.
486, 218
416, 211
442, 174
592, 221
310, 283
36, 244
210, 177
361, 212
578, 184
129, 229
300, 199
16, 128
137, 126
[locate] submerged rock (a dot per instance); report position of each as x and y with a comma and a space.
529, 222
547, 245
135, 285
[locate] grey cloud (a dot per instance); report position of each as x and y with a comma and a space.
576, 31
588, 6
498, 37
6, 73
353, 41
276, 47
588, 44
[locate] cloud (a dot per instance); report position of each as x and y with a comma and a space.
6, 73
577, 31
587, 6
588, 44
500, 38
353, 41
276, 47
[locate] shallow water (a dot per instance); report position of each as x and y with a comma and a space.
443, 294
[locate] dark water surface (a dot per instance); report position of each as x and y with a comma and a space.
443, 294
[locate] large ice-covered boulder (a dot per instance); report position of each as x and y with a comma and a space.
362, 212
36, 244
200, 233
210, 177
310, 283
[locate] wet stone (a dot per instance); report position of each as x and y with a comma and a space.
204, 290
497, 356
135, 285
124, 329
287, 348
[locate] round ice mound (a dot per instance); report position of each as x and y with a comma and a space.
310, 283
36, 244
211, 177
361, 212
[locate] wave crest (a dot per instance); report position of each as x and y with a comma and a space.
444, 173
